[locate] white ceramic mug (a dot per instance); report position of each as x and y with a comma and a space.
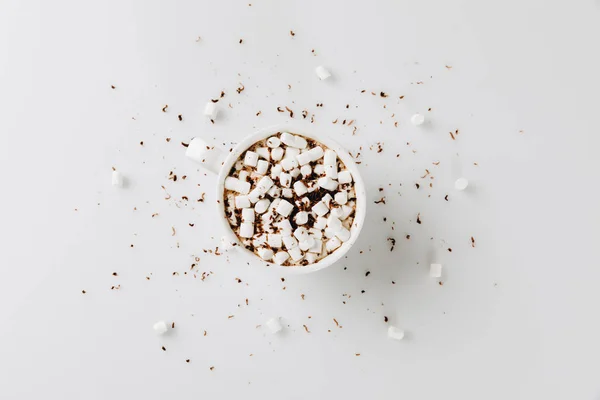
220, 163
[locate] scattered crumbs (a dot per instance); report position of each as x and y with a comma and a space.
362, 291
164, 109
449, 67
419, 218
238, 280
472, 241
205, 333
436, 163
282, 279
417, 185
185, 144
173, 325
336, 322
441, 283
113, 87
187, 361
452, 135
392, 242
382, 200
368, 272
180, 117
449, 249
131, 245
172, 230
401, 97
313, 51
84, 292
115, 274
475, 164
142, 143
279, 109
446, 197
212, 368
240, 89
246, 301
335, 122
290, 111
258, 113
306, 328
385, 319
164, 348
292, 33
301, 295
198, 39
393, 282
357, 354
407, 236
383, 94
241, 41
230, 316
201, 199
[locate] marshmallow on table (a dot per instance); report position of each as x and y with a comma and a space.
236, 185
301, 234
287, 192
344, 176
254, 195
316, 247
461, 184
251, 158
277, 153
289, 163
246, 230
301, 218
285, 179
265, 254
341, 198
274, 240
284, 208
273, 142
417, 119
329, 157
263, 152
242, 201
395, 333
281, 257
435, 270
332, 244
160, 327
320, 209
273, 325
262, 167
285, 227
295, 253
211, 110
331, 172
248, 215
343, 234
289, 242
274, 192
291, 152
300, 188
305, 170
276, 170
117, 179
322, 73
264, 184
327, 183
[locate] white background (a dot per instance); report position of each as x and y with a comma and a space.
517, 315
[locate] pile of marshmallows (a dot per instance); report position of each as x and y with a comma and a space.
273, 180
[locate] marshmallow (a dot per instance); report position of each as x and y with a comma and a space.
300, 188
290, 242
254, 195
288, 139
251, 158
287, 192
261, 206
347, 211
277, 153
329, 157
242, 202
334, 224
273, 325
281, 257
301, 143
395, 333
316, 233
236, 185
301, 218
160, 327
331, 171
248, 215
295, 173
461, 184
327, 183
285, 227
317, 247
343, 234
307, 244
301, 234
417, 119
264, 184
274, 192
211, 110
322, 73
341, 198
304, 158
295, 253
274, 240
320, 209
435, 270
327, 199
319, 169
263, 152
291, 152
320, 223
337, 212
264, 253
332, 244
285, 179
289, 163
259, 240
239, 164
315, 153
262, 167
329, 233
117, 179
351, 193
273, 142
243, 176
305, 170
275, 171
284, 208
246, 230
344, 176
310, 257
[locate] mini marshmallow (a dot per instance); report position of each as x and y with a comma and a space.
295, 253
301, 143
290, 242
239, 164
285, 179
327, 183
344, 176
301, 234
322, 73
311, 257
347, 211
274, 192
301, 218
242, 202
315, 153
274, 240
281, 257
291, 152
264, 253
261, 206
243, 176
319, 169
435, 270
259, 240
316, 233
461, 184
275, 171
273, 325
254, 195
277, 153
263, 152
288, 139
317, 247
236, 185
287, 193
343, 234
332, 244
160, 327
341, 198
300, 188
306, 244
262, 167
289, 163
211, 110
327, 199
246, 230
304, 158
395, 333
331, 171
295, 173
117, 179
320, 209
351, 193
417, 119
264, 184
337, 212
248, 215
329, 157
284, 208
273, 142
305, 170
334, 224
251, 158
320, 223
329, 233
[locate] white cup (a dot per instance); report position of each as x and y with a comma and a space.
220, 163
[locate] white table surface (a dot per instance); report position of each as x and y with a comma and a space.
517, 315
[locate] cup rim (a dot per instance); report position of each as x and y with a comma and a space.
308, 131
